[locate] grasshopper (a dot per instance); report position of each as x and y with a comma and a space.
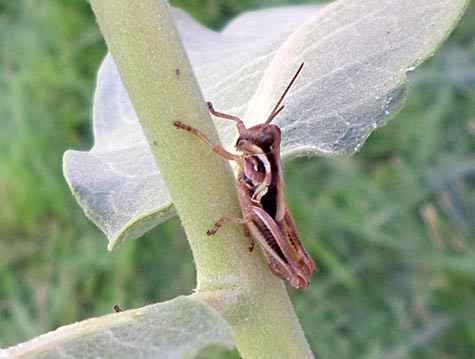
260, 186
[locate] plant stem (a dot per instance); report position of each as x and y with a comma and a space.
160, 82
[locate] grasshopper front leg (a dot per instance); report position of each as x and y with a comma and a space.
216, 148
229, 156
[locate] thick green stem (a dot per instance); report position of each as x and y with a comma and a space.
160, 82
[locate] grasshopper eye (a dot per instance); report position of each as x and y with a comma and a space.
267, 138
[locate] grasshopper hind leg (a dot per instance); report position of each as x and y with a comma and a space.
248, 235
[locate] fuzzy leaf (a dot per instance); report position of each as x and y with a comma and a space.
356, 56
180, 328
117, 182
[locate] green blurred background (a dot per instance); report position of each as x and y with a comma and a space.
392, 228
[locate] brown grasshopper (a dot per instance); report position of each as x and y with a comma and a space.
260, 186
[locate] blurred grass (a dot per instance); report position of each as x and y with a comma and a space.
392, 227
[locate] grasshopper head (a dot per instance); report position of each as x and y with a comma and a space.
261, 138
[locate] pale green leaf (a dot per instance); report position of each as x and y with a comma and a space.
356, 56
117, 182
178, 329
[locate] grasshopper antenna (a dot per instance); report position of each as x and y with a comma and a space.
275, 111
